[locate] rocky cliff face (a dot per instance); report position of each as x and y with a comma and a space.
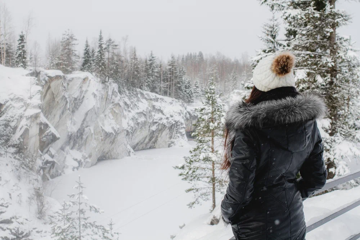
73, 121
87, 115
24, 130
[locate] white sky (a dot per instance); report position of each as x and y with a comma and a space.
165, 27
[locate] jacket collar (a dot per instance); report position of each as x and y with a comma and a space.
287, 110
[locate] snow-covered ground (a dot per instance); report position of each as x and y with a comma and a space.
142, 194
146, 199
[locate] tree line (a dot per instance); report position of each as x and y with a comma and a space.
182, 77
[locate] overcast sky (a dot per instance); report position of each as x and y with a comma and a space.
165, 27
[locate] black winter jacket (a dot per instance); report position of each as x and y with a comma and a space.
274, 140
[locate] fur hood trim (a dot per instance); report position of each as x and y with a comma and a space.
288, 110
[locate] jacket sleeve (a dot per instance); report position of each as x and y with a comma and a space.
241, 177
313, 171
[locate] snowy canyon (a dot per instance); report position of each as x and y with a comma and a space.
75, 120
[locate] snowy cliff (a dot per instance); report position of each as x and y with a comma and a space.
51, 123
74, 120
23, 127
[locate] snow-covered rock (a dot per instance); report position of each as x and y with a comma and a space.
87, 115
95, 120
23, 127
83, 120
153, 121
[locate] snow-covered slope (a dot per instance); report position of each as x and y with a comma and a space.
142, 194
23, 207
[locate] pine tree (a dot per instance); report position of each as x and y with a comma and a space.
165, 82
109, 233
135, 73
12, 226
197, 90
115, 71
188, 91
152, 74
63, 225
143, 76
171, 76
180, 82
72, 220
67, 61
270, 40
100, 64
93, 60
161, 78
21, 55
324, 63
86, 65
201, 168
111, 61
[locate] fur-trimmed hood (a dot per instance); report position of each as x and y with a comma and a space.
275, 112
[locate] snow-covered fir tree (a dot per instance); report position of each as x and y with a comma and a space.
87, 63
188, 91
270, 40
324, 62
213, 74
172, 75
165, 86
72, 220
152, 74
143, 78
63, 224
197, 90
12, 226
146, 75
21, 55
100, 63
115, 68
111, 60
68, 59
93, 60
30, 59
179, 81
161, 78
135, 72
201, 168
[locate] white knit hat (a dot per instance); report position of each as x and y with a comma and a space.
275, 71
